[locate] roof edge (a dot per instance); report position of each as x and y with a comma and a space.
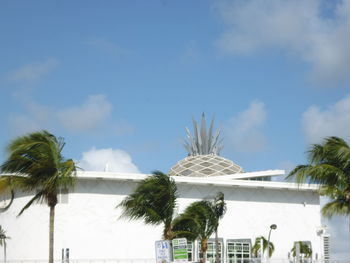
218, 181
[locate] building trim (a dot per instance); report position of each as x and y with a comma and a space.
225, 182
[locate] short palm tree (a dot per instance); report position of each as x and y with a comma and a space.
3, 238
154, 201
256, 250
329, 166
36, 165
304, 249
199, 221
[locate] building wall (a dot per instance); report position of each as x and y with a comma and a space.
90, 227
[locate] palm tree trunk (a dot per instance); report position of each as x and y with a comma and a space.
217, 258
51, 232
168, 232
204, 248
4, 251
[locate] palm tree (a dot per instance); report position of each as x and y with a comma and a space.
154, 201
329, 166
3, 238
304, 249
199, 221
256, 250
219, 207
36, 164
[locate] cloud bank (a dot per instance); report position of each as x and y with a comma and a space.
243, 132
314, 31
91, 115
88, 116
318, 123
33, 72
112, 160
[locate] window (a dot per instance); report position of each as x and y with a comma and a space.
326, 248
238, 250
211, 252
190, 251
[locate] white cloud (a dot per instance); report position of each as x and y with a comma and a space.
298, 27
243, 132
33, 72
20, 124
318, 123
116, 160
37, 117
88, 116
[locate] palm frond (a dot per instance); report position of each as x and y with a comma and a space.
336, 207
37, 197
329, 167
35, 163
5, 183
154, 200
316, 154
219, 205
12, 197
321, 174
198, 218
186, 226
300, 173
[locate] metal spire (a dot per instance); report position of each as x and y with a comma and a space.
203, 142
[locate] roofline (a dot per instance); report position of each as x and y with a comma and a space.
251, 174
227, 182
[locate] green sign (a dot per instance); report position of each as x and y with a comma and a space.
180, 249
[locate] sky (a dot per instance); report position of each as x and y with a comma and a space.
120, 80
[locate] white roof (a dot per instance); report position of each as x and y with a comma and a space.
235, 180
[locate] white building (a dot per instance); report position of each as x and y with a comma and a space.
87, 221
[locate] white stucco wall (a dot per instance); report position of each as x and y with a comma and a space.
89, 226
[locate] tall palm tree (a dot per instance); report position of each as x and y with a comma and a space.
329, 166
3, 238
199, 221
256, 250
154, 201
36, 164
219, 207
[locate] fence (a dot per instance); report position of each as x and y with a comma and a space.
154, 261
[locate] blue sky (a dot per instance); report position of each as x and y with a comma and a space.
120, 80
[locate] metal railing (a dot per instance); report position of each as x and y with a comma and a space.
252, 260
